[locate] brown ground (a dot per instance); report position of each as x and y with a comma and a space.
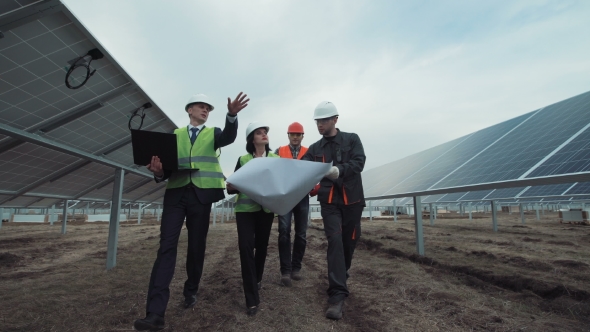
531, 277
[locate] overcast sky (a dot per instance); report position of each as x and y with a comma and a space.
404, 75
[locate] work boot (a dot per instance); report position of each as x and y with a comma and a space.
151, 322
190, 301
296, 275
335, 310
286, 280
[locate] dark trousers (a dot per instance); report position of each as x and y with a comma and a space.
300, 214
342, 226
253, 233
197, 224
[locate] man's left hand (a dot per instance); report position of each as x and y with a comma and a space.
235, 106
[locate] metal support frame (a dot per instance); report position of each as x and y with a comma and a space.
431, 215
371, 210
522, 218
394, 211
214, 210
64, 221
494, 209
139, 210
435, 211
52, 215
159, 213
537, 211
470, 211
114, 220
418, 225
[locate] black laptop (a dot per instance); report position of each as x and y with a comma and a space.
150, 143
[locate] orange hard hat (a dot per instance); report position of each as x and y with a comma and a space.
295, 127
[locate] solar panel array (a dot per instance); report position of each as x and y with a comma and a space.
553, 140
40, 41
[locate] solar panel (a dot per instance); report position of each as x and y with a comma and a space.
473, 144
533, 144
520, 150
38, 48
547, 190
573, 158
505, 193
579, 188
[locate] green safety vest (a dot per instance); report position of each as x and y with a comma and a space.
243, 202
197, 163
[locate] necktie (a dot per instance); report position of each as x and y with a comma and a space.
194, 135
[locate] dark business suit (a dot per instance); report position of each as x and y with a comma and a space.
194, 203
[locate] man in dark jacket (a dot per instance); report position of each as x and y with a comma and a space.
341, 199
191, 190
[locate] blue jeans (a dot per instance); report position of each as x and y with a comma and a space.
300, 213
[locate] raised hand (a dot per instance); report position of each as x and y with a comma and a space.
235, 106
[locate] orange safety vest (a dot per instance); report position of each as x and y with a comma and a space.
285, 152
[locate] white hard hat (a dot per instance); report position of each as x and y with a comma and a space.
325, 109
253, 126
198, 98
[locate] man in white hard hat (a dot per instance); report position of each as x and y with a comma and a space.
341, 199
191, 190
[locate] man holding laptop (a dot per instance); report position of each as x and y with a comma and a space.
191, 190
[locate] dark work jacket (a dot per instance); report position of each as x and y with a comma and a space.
211, 195
347, 153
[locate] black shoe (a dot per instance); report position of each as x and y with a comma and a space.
335, 310
190, 301
259, 285
151, 322
296, 275
252, 311
286, 280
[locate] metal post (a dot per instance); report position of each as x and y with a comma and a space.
159, 213
418, 225
114, 220
370, 210
494, 216
430, 214
470, 212
64, 217
521, 213
435, 211
394, 211
52, 215
543, 209
139, 213
537, 210
461, 209
214, 211
87, 208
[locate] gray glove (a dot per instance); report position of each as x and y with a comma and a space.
333, 173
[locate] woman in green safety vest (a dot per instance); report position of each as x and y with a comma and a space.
253, 221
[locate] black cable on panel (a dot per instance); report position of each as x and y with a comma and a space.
81, 61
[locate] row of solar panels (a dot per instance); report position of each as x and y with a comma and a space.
546, 143
39, 42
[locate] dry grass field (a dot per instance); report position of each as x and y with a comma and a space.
532, 277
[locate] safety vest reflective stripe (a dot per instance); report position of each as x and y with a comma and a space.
197, 159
